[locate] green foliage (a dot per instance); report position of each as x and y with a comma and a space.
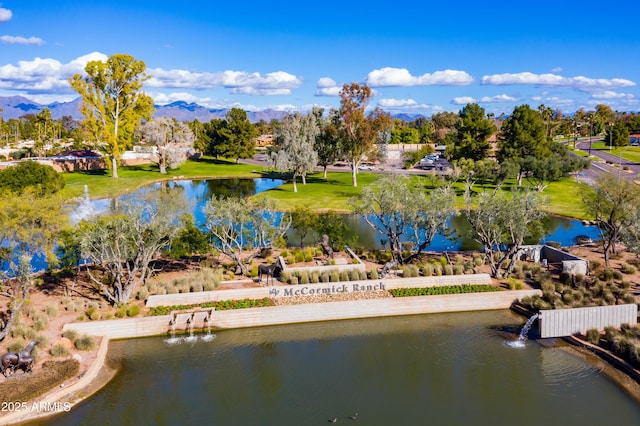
85, 343
373, 275
113, 101
218, 305
189, 240
70, 334
442, 290
472, 132
514, 284
133, 311
332, 225
628, 269
59, 350
41, 178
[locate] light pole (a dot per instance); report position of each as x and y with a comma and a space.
620, 163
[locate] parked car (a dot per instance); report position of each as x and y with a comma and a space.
365, 167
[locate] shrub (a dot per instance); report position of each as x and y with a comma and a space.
304, 277
478, 260
16, 346
294, 280
628, 269
427, 270
70, 334
59, 350
95, 315
344, 276
51, 310
143, 294
593, 336
315, 277
134, 310
85, 343
43, 179
448, 270
514, 283
374, 274
196, 287
334, 276
285, 277
324, 277
458, 269
121, 311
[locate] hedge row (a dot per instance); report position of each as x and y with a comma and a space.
450, 289
219, 306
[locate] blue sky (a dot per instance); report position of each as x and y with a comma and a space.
418, 56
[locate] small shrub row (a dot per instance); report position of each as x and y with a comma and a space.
314, 277
219, 306
440, 290
205, 279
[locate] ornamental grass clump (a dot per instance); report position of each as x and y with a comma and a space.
85, 343
59, 350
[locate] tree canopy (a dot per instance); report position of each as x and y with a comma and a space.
113, 103
295, 138
472, 132
359, 131
41, 178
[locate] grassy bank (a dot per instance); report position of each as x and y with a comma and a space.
101, 184
320, 194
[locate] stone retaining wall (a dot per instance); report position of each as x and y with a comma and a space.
279, 290
328, 311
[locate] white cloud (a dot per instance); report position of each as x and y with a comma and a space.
389, 77
41, 74
7, 39
326, 82
554, 101
463, 100
46, 74
610, 94
556, 70
5, 15
579, 82
274, 83
497, 98
406, 105
397, 103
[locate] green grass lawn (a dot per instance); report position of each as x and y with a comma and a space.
101, 184
629, 153
332, 193
321, 194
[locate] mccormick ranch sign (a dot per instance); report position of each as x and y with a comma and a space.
320, 289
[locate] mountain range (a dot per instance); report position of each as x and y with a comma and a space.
17, 106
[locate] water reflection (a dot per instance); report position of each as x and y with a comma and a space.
359, 233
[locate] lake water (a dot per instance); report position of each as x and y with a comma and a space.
198, 192
359, 233
439, 369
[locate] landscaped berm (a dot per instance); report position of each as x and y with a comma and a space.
69, 362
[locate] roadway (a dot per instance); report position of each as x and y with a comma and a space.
606, 163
